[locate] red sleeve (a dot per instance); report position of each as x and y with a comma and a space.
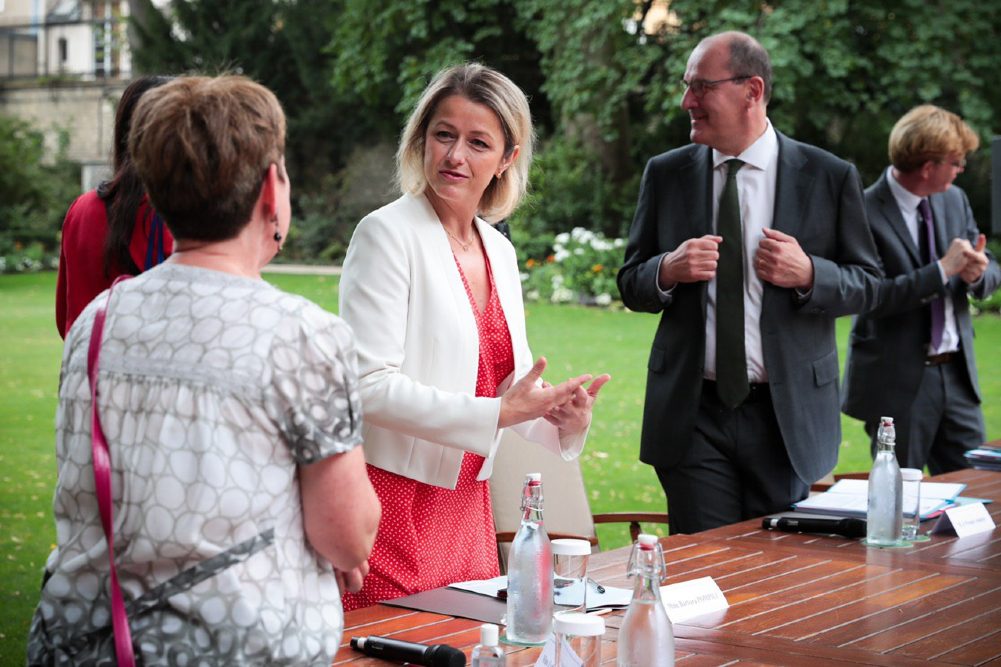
81, 259
61, 296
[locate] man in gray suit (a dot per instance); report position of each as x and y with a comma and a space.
911, 357
748, 262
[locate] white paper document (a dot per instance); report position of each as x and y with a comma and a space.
850, 497
597, 597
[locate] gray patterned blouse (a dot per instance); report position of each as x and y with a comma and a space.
213, 390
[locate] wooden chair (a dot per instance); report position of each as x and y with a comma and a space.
567, 511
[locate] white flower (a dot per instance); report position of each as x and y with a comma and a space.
603, 299
561, 295
557, 280
578, 251
532, 295
560, 254
524, 277
618, 243
562, 239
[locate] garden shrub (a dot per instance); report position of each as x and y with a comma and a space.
34, 197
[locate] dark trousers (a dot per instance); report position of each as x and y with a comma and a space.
736, 466
944, 421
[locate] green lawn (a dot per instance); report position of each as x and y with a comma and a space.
576, 340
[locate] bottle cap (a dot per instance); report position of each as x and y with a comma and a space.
911, 474
646, 540
886, 420
570, 547
488, 634
577, 624
533, 477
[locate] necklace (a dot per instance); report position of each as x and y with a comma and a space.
465, 246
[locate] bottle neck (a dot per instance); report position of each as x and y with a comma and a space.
885, 446
531, 504
532, 515
646, 587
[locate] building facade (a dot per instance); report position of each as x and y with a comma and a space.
63, 66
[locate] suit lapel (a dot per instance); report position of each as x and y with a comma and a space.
792, 188
507, 282
890, 211
701, 184
493, 244
696, 179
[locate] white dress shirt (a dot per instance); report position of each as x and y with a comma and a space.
756, 191
908, 202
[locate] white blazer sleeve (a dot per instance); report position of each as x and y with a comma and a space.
508, 281
377, 298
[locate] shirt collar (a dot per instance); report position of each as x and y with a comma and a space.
906, 200
760, 155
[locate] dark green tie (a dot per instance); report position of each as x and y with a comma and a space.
731, 361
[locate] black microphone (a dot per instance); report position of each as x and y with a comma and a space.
847, 527
437, 655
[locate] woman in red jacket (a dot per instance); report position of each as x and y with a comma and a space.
112, 230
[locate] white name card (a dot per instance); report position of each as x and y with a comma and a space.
965, 520
692, 598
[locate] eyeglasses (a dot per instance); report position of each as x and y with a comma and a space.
700, 87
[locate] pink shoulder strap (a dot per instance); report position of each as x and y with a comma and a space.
102, 485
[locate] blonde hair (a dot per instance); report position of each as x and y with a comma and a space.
486, 86
928, 132
202, 146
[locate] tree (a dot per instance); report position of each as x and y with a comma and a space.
603, 78
385, 54
34, 195
845, 71
278, 43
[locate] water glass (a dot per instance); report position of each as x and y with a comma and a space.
578, 638
570, 573
912, 503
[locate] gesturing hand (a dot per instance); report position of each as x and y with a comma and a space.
574, 415
976, 262
692, 261
528, 398
780, 261
955, 258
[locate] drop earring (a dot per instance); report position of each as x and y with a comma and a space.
277, 235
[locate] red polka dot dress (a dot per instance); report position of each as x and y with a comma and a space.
430, 536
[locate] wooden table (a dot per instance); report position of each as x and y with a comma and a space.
794, 599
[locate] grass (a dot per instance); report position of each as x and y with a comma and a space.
574, 339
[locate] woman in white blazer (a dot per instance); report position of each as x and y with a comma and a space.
433, 294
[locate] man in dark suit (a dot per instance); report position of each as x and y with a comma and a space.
748, 264
911, 357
